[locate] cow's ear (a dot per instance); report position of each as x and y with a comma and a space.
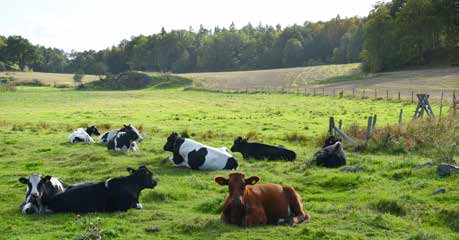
252, 180
221, 180
46, 178
23, 180
245, 140
131, 170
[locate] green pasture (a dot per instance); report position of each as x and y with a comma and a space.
388, 200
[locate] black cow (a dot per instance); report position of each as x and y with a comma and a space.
39, 188
261, 151
330, 156
191, 154
125, 140
114, 194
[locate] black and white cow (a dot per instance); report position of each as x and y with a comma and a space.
191, 154
331, 140
38, 189
261, 151
108, 136
331, 156
114, 194
83, 135
125, 141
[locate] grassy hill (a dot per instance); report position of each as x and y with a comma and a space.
47, 78
388, 200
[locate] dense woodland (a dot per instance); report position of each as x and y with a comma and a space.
396, 34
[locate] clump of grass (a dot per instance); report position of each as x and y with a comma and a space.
389, 206
185, 133
295, 137
92, 228
450, 218
213, 205
252, 135
104, 126
424, 236
199, 225
209, 134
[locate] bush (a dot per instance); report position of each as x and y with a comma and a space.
78, 77
123, 81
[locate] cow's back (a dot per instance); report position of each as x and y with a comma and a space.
271, 197
85, 197
214, 158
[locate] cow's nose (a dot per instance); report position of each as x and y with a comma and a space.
29, 210
140, 139
35, 195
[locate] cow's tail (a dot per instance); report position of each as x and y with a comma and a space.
298, 215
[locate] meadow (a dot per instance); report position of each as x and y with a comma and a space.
388, 200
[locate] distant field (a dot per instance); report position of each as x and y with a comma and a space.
47, 78
285, 77
339, 77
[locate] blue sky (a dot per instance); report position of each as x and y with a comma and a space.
97, 24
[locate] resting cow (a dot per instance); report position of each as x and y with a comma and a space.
261, 151
114, 194
249, 204
38, 189
125, 140
191, 154
330, 156
108, 136
83, 135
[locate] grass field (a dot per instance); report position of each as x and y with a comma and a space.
47, 78
389, 200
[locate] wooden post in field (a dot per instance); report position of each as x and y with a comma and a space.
399, 96
353, 92
333, 92
441, 104
305, 91
412, 96
373, 125
387, 95
340, 124
331, 126
367, 137
454, 102
363, 96
400, 117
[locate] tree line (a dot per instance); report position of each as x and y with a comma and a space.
395, 34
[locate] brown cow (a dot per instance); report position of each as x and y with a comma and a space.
249, 204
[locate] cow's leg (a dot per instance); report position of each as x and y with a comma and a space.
257, 216
296, 206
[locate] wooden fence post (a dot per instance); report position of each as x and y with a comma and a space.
363, 96
387, 95
305, 91
399, 96
412, 96
454, 102
373, 125
441, 104
340, 124
331, 126
400, 117
367, 137
353, 92
333, 92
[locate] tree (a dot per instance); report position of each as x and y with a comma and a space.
20, 51
78, 78
293, 53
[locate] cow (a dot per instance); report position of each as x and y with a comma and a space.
114, 194
40, 188
331, 140
83, 135
125, 140
261, 151
188, 153
250, 204
108, 136
331, 156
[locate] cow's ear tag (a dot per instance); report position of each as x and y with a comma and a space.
252, 180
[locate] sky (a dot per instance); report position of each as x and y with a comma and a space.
98, 24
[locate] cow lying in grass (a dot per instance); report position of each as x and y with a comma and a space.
191, 154
125, 139
261, 151
114, 194
40, 188
250, 204
83, 135
331, 155
110, 135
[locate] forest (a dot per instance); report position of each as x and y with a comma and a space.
394, 35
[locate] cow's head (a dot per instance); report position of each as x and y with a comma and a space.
143, 177
36, 188
92, 131
132, 132
238, 142
331, 140
236, 184
169, 146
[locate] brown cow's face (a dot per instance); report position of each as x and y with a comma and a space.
236, 184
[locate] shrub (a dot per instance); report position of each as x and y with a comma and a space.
123, 81
78, 77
